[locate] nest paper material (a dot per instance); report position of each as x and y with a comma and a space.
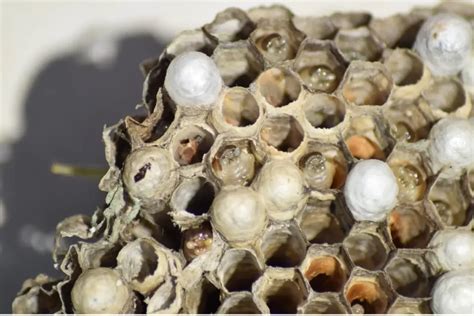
239, 206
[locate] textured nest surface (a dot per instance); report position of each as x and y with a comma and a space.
305, 99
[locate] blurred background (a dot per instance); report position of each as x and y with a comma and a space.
67, 69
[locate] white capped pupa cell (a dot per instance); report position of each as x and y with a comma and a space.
444, 43
193, 81
453, 293
371, 190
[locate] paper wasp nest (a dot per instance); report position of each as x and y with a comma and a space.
227, 193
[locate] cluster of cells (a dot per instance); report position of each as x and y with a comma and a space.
233, 193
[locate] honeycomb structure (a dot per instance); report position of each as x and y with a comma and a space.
305, 99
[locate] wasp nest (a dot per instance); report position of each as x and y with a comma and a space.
285, 165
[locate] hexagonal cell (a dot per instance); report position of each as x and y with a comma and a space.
397, 30
322, 222
283, 290
164, 122
234, 162
151, 126
168, 235
144, 173
325, 274
190, 40
168, 298
405, 67
319, 65
239, 107
404, 305
239, 303
324, 110
278, 86
238, 214
154, 70
408, 122
282, 132
230, 25
283, 246
445, 95
450, 201
320, 27
265, 12
410, 275
239, 63
117, 149
366, 84
193, 197
238, 270
203, 298
451, 248
368, 137
326, 303
410, 227
362, 147
277, 40
190, 144
358, 44
410, 181
407, 166
350, 20
142, 264
366, 247
325, 269
281, 184
367, 294
197, 241
143, 227
324, 166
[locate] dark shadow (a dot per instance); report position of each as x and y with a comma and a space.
66, 108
